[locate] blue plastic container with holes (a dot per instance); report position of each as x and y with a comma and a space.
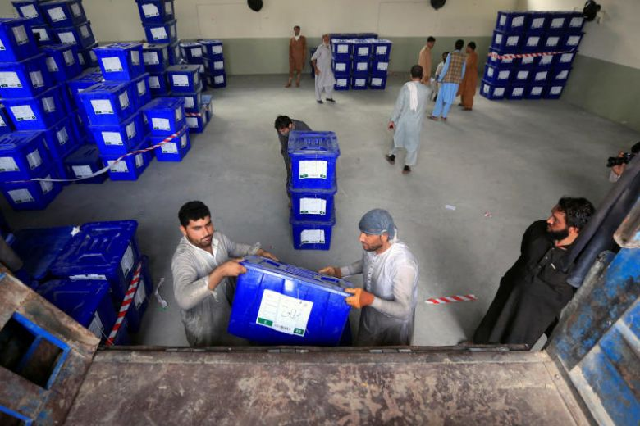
61, 139
161, 32
24, 79
120, 61
44, 35
118, 139
342, 83
196, 122
381, 49
107, 103
30, 10
313, 159
512, 22
192, 52
217, 81
359, 82
498, 75
5, 123
39, 248
131, 167
493, 91
23, 155
192, 101
277, 304
32, 195
184, 78
140, 300
81, 34
360, 67
536, 22
312, 205
17, 40
176, 149
101, 250
213, 66
62, 61
165, 116
341, 49
311, 234
212, 48
63, 13
37, 113
87, 302
84, 161
505, 42
155, 11
377, 81
155, 57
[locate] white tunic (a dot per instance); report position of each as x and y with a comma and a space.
408, 121
322, 56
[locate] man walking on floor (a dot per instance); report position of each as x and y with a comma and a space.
407, 119
452, 74
468, 86
424, 60
297, 53
321, 60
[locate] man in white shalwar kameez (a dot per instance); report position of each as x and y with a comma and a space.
407, 119
321, 60
390, 291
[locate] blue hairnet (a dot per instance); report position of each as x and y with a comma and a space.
377, 222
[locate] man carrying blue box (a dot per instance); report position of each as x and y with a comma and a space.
203, 269
390, 272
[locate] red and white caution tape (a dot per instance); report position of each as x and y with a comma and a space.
128, 298
110, 166
524, 55
450, 299
193, 114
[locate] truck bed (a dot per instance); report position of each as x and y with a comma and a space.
297, 386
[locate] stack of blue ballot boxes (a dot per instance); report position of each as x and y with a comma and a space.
531, 54
216, 74
359, 63
313, 186
185, 82
167, 125
156, 61
193, 53
269, 293
159, 23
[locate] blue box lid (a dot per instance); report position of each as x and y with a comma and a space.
171, 103
154, 46
41, 95
39, 248
16, 21
118, 47
58, 47
106, 87
87, 153
77, 298
12, 142
183, 69
313, 142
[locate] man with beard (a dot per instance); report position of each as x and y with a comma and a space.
390, 274
204, 276
534, 291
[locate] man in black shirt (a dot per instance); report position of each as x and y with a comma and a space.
534, 291
283, 126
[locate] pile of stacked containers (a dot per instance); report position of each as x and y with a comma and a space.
114, 110
544, 45
169, 132
313, 187
186, 83
360, 61
34, 104
214, 63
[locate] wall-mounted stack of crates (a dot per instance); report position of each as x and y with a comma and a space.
531, 54
186, 83
167, 125
360, 63
214, 63
313, 187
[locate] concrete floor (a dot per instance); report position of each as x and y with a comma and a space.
511, 159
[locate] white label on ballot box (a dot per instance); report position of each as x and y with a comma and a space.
36, 79
160, 124
34, 159
42, 33
545, 60
96, 326
62, 136
169, 148
312, 170
343, 48
381, 50
341, 66
46, 186
88, 277
10, 80
131, 130
142, 89
124, 100
192, 122
139, 160
127, 261
557, 23
75, 9
312, 236
20, 35
313, 206
218, 65
284, 313
527, 60
2, 123
120, 167
189, 102
112, 64
196, 52
523, 75
68, 58
376, 81
556, 90
67, 38
168, 8
382, 66
21, 196
135, 57
216, 49
140, 293
159, 33
362, 66
49, 104
154, 83
363, 51
183, 140
29, 11
536, 90
179, 114
537, 23
518, 21
101, 106
8, 164
57, 14
150, 10
23, 113
151, 58
112, 138
82, 171
180, 80
218, 79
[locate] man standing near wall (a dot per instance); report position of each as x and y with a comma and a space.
297, 53
470, 81
424, 60
321, 60
450, 79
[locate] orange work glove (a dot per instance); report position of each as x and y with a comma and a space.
360, 298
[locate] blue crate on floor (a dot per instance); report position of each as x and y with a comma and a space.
44, 35
161, 32
342, 83
23, 155
553, 90
155, 11
158, 85
311, 235
24, 79
494, 60
360, 67
534, 91
88, 58
544, 62
18, 40
540, 76
552, 43
512, 22
64, 13
312, 204
217, 81
506, 43
571, 41
197, 121
32, 195
558, 22
107, 103
62, 61
377, 81
40, 112
341, 67
175, 56
176, 149
101, 250
81, 34
362, 50
521, 76
379, 67
192, 52
86, 301
498, 75
381, 49
516, 91
155, 57
5, 123
493, 91
39, 248
192, 101
30, 10
537, 22
118, 139
563, 60
342, 49
141, 90
214, 66
120, 61
131, 167
84, 161
184, 78
212, 48
165, 116
270, 289
140, 300
359, 82
531, 43
61, 139
313, 158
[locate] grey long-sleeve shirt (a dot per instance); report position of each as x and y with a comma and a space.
205, 313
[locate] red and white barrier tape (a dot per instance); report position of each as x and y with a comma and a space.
193, 114
128, 298
524, 55
107, 168
450, 299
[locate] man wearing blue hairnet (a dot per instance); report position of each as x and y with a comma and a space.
390, 289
